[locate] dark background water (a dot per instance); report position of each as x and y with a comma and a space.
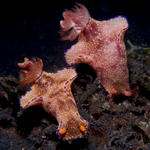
32, 29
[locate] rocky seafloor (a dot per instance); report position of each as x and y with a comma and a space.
121, 124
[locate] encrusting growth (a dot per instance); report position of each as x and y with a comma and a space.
100, 44
52, 91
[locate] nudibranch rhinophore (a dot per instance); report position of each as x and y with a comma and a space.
52, 91
100, 45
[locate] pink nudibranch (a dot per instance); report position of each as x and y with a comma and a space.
52, 91
100, 45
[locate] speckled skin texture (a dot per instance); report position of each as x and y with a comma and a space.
52, 91
100, 44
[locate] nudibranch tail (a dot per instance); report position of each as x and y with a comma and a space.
74, 22
127, 93
30, 70
114, 92
75, 128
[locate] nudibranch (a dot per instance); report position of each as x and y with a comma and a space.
100, 44
52, 91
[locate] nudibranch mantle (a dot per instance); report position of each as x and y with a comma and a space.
52, 91
100, 44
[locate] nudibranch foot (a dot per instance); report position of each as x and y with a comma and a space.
74, 22
75, 128
30, 70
